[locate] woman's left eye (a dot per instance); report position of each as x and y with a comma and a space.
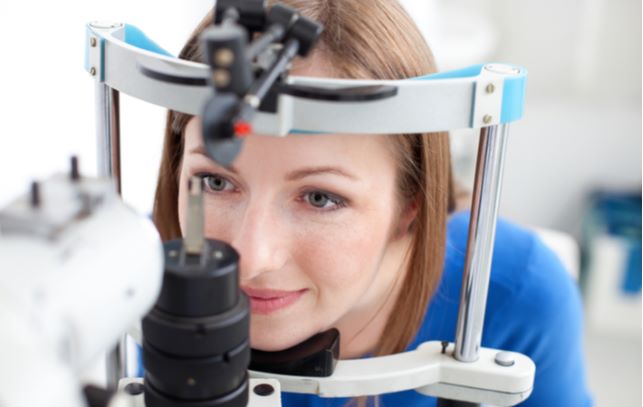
324, 200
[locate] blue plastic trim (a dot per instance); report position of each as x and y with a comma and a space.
631, 283
134, 36
295, 131
467, 72
513, 97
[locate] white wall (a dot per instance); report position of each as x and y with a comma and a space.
582, 127
582, 123
48, 99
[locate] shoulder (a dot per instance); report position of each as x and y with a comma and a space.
528, 283
533, 307
522, 267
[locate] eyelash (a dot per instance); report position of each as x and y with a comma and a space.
206, 187
337, 200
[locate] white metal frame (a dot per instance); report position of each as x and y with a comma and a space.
421, 105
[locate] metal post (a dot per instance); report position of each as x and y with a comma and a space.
108, 135
116, 363
482, 231
109, 165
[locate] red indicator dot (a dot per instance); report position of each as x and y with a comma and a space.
242, 129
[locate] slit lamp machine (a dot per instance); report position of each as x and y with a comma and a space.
96, 270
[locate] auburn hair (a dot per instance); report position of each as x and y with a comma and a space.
373, 39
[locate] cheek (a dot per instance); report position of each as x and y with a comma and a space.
341, 261
221, 221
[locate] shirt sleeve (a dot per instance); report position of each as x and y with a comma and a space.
542, 318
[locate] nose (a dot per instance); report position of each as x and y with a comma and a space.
261, 242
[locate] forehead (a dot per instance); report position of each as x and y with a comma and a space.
362, 152
370, 152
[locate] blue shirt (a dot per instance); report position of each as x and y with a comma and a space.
533, 307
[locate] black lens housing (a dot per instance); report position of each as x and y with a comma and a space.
196, 349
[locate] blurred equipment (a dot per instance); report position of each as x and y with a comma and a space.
611, 274
78, 269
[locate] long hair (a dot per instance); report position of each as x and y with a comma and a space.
373, 39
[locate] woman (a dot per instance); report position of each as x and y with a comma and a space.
351, 231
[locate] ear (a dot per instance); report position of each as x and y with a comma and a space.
407, 217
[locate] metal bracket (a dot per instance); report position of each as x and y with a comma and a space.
421, 370
62, 202
488, 95
95, 46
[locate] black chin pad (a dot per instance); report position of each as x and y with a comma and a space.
316, 357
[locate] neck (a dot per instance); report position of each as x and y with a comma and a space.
362, 329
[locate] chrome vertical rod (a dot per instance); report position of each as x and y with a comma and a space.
108, 135
482, 231
109, 165
116, 363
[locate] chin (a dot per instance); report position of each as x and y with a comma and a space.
271, 338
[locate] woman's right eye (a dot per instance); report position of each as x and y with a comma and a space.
216, 183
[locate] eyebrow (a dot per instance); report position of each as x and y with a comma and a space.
293, 175
199, 149
309, 171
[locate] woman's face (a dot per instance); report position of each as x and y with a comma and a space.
316, 221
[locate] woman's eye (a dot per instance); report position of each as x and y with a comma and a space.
216, 183
324, 200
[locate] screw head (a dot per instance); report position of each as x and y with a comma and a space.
445, 345
252, 100
490, 88
505, 359
134, 389
74, 173
221, 77
487, 119
92, 71
224, 57
35, 198
191, 381
92, 41
173, 253
263, 389
217, 254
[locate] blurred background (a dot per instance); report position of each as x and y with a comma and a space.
573, 170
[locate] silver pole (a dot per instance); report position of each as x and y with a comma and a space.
108, 135
109, 165
482, 231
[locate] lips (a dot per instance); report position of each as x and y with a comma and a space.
265, 301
